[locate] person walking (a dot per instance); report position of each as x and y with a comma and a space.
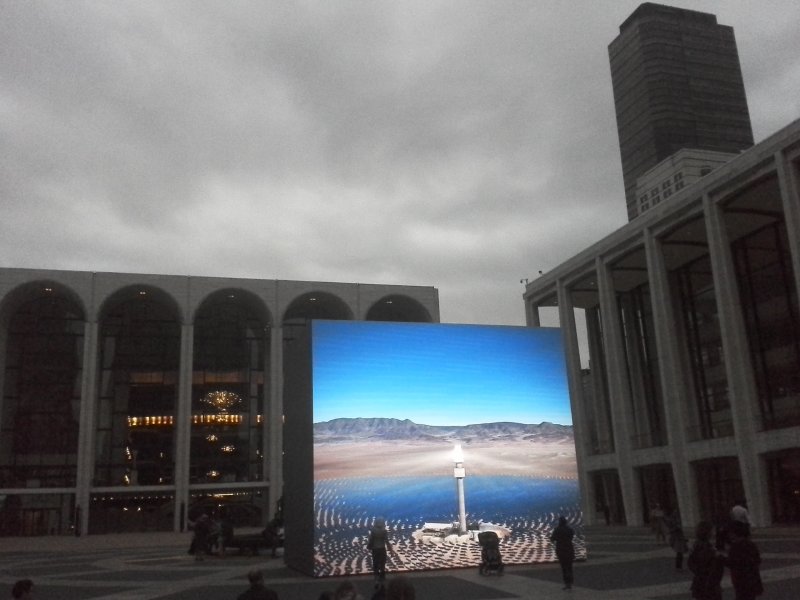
706, 565
743, 560
379, 544
565, 550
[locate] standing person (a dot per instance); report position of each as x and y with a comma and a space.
379, 544
705, 564
739, 513
272, 534
257, 590
677, 539
657, 522
743, 560
202, 529
22, 590
565, 551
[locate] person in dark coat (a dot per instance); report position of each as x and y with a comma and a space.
379, 544
743, 560
706, 565
565, 551
257, 590
202, 529
22, 590
677, 539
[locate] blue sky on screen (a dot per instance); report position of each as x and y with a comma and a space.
438, 374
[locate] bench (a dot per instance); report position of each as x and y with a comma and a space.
252, 542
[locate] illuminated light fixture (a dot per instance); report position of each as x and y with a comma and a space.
48, 290
389, 302
211, 437
222, 400
216, 419
312, 299
142, 293
213, 474
228, 448
150, 421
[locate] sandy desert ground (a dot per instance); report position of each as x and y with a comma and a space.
382, 458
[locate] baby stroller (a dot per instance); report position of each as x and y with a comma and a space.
491, 561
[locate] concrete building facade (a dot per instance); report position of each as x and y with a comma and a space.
692, 395
677, 84
674, 173
132, 401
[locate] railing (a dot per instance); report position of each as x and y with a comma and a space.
785, 413
602, 447
715, 430
650, 439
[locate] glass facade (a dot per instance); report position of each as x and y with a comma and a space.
37, 514
703, 339
165, 399
124, 512
647, 404
41, 393
598, 412
139, 358
719, 487
769, 304
228, 392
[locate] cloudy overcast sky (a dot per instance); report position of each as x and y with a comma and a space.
463, 145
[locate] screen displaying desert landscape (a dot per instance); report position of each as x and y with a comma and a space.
444, 431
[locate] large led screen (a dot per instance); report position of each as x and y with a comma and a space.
445, 431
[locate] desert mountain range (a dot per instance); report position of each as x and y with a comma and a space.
384, 429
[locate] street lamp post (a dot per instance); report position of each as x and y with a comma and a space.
459, 473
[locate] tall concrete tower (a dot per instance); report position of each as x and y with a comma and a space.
677, 84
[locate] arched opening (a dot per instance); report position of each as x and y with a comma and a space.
138, 367
316, 305
229, 383
39, 422
397, 307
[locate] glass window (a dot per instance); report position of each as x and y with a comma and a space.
139, 356
228, 387
42, 391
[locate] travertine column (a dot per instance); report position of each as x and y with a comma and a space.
742, 391
274, 421
639, 419
790, 198
604, 430
673, 379
532, 314
619, 394
566, 317
86, 435
183, 427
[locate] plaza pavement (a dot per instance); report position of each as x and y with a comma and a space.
623, 564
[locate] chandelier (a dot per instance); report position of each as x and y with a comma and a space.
221, 400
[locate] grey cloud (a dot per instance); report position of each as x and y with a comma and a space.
464, 145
